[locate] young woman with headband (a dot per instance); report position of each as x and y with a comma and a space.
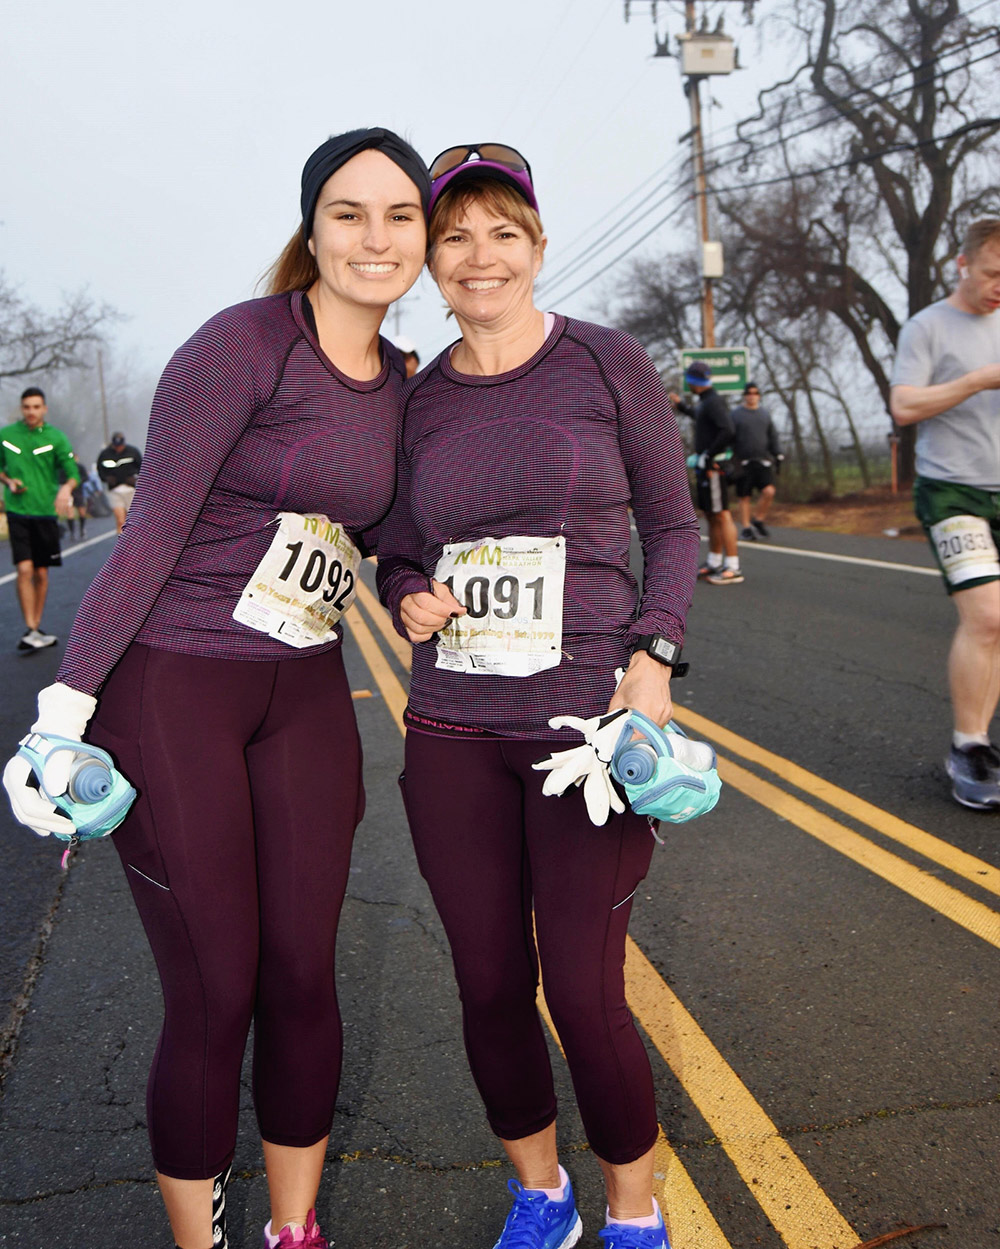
206, 659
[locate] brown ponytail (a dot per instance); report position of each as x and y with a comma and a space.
294, 270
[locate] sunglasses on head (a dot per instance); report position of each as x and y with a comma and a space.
499, 153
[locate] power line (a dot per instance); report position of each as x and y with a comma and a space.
540, 109
617, 232
614, 208
574, 265
869, 156
859, 160
631, 248
838, 117
518, 95
611, 235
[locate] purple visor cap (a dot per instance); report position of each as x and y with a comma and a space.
484, 168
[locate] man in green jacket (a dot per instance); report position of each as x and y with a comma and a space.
33, 457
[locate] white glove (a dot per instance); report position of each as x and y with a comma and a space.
586, 765
702, 461
62, 712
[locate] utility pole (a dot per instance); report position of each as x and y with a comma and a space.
692, 88
702, 53
104, 400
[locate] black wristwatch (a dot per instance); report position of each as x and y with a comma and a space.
663, 651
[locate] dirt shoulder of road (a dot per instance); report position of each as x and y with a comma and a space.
877, 512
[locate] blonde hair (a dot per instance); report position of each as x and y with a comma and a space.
498, 198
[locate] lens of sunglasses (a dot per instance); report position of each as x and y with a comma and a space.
449, 159
504, 155
499, 153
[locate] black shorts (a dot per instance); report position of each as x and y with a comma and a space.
755, 476
711, 490
35, 538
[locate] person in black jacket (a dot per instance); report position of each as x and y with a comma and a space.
118, 466
713, 433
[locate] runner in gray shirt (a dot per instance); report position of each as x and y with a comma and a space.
947, 377
757, 458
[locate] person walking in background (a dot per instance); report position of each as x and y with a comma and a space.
118, 467
34, 458
78, 512
713, 434
946, 380
757, 459
206, 658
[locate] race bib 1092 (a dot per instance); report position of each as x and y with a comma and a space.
304, 584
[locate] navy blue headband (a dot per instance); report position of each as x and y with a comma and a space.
339, 149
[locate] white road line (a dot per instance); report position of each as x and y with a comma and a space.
79, 546
837, 559
847, 559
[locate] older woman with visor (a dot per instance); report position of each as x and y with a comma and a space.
505, 560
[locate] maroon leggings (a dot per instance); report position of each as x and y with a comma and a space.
490, 845
237, 852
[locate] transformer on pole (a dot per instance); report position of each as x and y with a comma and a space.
703, 53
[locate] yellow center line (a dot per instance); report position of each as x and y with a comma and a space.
386, 680
934, 848
383, 622
690, 1223
793, 1201
943, 898
799, 1209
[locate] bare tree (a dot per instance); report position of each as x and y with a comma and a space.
863, 228
842, 203
35, 342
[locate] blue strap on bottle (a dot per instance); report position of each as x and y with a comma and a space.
98, 797
665, 775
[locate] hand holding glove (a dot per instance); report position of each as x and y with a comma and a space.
586, 765
62, 712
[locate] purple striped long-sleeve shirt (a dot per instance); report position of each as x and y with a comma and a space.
250, 418
564, 444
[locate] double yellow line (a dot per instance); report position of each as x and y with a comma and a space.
795, 1204
947, 900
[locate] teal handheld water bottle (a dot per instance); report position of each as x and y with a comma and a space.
97, 798
665, 775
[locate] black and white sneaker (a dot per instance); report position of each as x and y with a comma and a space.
761, 528
975, 776
36, 640
747, 535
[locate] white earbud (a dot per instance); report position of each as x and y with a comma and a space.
963, 272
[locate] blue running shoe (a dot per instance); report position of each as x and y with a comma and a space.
535, 1222
975, 775
625, 1236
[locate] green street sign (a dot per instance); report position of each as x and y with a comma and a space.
730, 366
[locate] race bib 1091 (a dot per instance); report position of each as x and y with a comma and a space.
304, 584
513, 590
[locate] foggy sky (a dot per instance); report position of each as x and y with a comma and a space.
152, 152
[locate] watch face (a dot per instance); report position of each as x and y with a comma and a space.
664, 650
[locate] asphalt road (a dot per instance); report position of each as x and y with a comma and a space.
814, 964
